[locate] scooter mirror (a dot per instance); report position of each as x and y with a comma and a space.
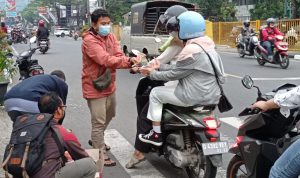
157, 40
247, 82
32, 39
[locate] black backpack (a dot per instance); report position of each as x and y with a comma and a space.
24, 155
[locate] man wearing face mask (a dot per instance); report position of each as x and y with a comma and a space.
101, 57
268, 35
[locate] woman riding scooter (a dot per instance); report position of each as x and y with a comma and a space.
170, 51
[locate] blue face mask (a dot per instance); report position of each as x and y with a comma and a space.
104, 30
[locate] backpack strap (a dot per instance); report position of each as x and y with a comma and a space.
23, 164
60, 143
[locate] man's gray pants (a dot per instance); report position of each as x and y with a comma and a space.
83, 168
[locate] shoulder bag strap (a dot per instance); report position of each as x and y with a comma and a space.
214, 68
60, 143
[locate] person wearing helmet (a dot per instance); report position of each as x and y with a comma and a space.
245, 32
172, 48
268, 34
42, 32
173, 42
197, 79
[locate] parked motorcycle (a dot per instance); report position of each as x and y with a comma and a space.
262, 138
191, 139
280, 56
28, 67
246, 48
44, 45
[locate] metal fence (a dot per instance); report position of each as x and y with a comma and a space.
225, 33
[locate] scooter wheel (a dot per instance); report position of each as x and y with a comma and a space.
236, 168
284, 62
260, 61
241, 53
208, 171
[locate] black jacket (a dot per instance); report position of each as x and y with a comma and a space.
42, 33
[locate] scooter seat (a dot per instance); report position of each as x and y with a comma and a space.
190, 108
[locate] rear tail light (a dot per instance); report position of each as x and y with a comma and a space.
238, 139
211, 122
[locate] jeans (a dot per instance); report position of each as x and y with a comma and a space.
288, 164
158, 97
268, 46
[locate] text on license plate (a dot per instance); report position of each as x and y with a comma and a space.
215, 148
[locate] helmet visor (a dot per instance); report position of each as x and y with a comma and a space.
163, 19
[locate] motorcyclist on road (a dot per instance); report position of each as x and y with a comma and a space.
15, 33
287, 166
268, 34
42, 33
197, 81
245, 32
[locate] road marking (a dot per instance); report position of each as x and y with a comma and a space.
15, 51
277, 79
123, 151
265, 79
232, 121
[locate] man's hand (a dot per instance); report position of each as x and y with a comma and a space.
265, 105
146, 70
136, 60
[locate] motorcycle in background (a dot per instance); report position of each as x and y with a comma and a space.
263, 137
247, 45
28, 67
76, 35
43, 45
280, 56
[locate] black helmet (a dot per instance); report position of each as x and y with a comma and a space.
270, 20
172, 25
246, 23
171, 12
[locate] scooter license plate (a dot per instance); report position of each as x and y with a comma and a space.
214, 148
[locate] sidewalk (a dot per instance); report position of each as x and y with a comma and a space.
5, 130
226, 48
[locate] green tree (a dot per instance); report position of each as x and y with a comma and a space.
30, 12
216, 10
295, 8
268, 8
117, 8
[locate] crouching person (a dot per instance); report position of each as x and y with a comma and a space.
79, 164
40, 147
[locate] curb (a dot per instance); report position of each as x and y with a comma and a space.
5, 131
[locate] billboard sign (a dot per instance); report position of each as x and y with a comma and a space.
11, 8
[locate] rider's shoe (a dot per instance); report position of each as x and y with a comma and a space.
152, 138
270, 58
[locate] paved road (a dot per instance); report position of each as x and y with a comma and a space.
65, 54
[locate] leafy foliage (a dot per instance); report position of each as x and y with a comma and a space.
6, 64
268, 8
216, 10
